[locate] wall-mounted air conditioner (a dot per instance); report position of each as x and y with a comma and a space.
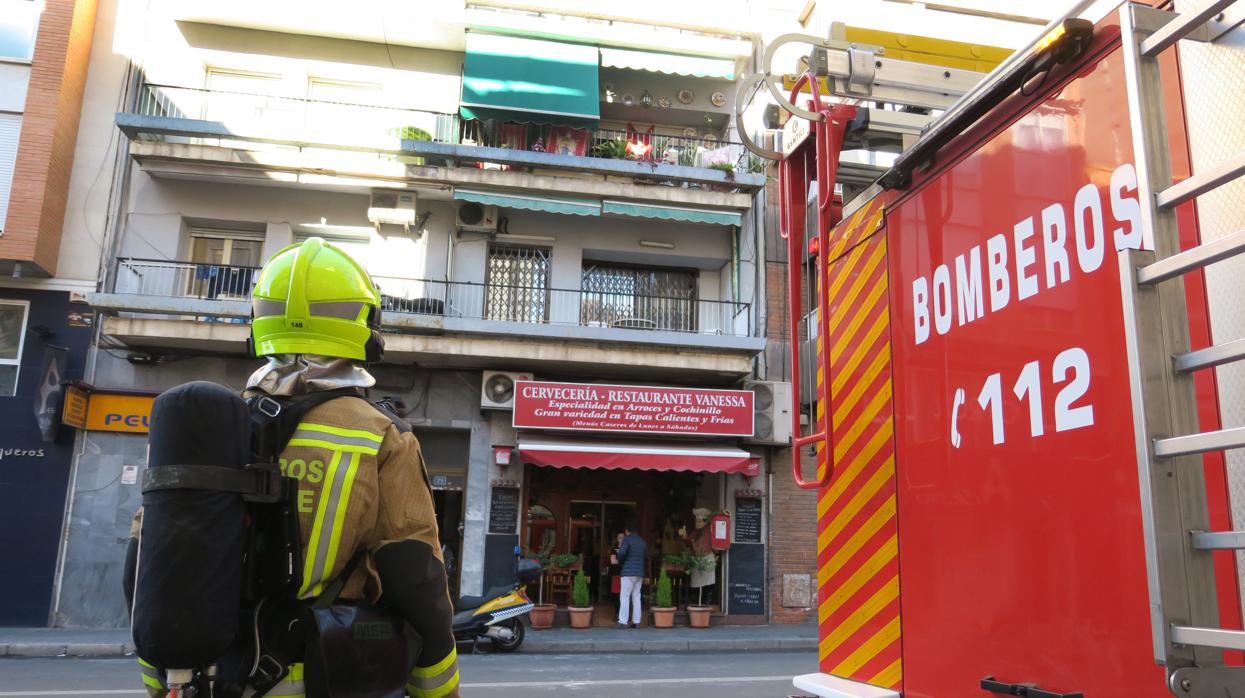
497, 389
392, 207
478, 217
771, 402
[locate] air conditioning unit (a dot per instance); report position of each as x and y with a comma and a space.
497, 389
771, 402
393, 207
473, 216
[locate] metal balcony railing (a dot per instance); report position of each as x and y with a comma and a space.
330, 123
554, 306
459, 299
151, 277
346, 124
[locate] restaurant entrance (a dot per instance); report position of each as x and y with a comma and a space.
577, 514
594, 531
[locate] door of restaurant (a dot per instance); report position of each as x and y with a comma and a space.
592, 531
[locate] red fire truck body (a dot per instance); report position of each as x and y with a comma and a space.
981, 517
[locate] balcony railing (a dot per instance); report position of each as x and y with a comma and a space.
459, 299
330, 123
150, 277
346, 124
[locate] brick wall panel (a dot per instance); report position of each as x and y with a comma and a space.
49, 135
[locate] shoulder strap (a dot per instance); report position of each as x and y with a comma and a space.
274, 419
385, 408
328, 597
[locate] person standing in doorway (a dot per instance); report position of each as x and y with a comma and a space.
632, 553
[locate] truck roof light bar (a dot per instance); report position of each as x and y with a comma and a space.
1063, 39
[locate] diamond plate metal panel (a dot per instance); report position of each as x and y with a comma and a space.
1214, 101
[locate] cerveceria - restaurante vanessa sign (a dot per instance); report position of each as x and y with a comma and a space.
632, 409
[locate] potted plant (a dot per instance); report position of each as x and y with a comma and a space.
674, 562
615, 149
566, 561
663, 608
725, 168
542, 613
698, 615
581, 611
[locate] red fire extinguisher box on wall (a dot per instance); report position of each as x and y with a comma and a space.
720, 531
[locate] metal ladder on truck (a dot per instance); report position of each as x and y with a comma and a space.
1179, 546
872, 101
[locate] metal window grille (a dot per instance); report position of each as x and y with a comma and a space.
517, 285
617, 296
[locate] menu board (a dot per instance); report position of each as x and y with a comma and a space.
503, 511
745, 584
748, 520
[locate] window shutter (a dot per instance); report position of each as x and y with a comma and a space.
10, 129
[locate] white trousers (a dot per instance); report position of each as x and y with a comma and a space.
630, 599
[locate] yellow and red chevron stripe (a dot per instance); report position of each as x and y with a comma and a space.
858, 564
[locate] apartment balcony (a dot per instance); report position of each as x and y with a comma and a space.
162, 306
181, 131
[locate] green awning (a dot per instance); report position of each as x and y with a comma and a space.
530, 80
670, 63
548, 204
671, 213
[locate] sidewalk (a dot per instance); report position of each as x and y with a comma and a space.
62, 642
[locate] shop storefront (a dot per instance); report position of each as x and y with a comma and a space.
588, 459
43, 344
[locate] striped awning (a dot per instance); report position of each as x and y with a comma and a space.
532, 202
682, 214
669, 63
556, 452
526, 79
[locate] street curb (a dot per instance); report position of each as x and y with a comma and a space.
706, 644
30, 650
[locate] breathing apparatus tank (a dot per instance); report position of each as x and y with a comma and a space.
192, 544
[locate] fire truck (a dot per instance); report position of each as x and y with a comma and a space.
1014, 400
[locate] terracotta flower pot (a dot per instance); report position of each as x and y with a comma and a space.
542, 616
698, 616
663, 617
580, 617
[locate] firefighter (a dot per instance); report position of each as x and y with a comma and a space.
362, 484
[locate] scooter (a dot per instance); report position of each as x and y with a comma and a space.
498, 614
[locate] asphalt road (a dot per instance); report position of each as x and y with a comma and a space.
721, 675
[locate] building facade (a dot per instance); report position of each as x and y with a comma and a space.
46, 328
567, 235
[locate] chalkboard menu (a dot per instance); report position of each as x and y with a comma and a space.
745, 584
748, 520
503, 511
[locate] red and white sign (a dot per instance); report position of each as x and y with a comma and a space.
632, 409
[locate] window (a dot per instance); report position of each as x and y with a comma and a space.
12, 340
516, 285
638, 298
339, 108
243, 102
10, 129
19, 23
225, 263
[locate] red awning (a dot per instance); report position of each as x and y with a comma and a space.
636, 455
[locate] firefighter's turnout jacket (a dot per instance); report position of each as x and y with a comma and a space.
362, 484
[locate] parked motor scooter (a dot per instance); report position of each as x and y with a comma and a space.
498, 614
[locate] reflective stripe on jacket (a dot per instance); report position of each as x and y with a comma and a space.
361, 483
437, 681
